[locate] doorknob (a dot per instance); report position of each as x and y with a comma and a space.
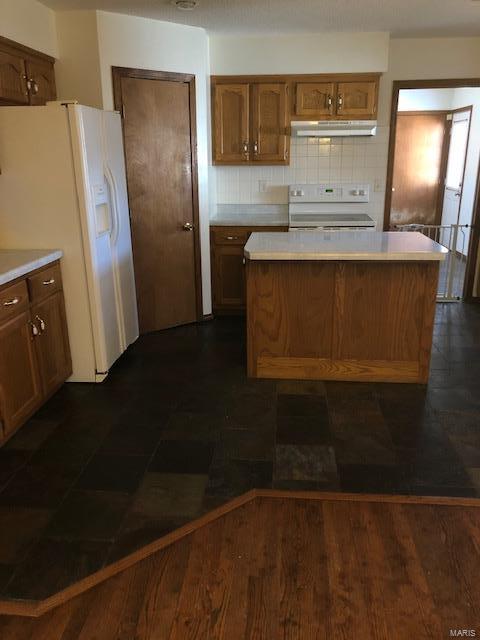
188, 226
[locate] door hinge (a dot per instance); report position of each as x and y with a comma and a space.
123, 112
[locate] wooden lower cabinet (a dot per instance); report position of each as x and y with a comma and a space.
20, 388
228, 266
52, 348
34, 349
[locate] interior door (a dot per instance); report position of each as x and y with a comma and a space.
158, 148
457, 154
417, 169
269, 122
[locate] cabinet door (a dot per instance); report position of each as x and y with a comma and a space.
269, 122
13, 82
41, 75
231, 123
357, 99
53, 351
229, 278
315, 99
20, 389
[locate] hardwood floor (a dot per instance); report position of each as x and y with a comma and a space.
343, 567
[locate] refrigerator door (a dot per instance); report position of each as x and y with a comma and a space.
121, 241
98, 221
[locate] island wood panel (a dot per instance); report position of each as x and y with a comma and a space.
279, 320
340, 320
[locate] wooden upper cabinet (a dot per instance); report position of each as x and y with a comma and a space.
252, 114
231, 123
13, 81
352, 98
357, 99
41, 77
26, 76
315, 99
270, 122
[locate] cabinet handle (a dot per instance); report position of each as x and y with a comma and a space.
48, 282
232, 237
329, 102
9, 303
34, 329
35, 87
245, 147
42, 323
340, 101
255, 147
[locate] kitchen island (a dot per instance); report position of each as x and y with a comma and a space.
341, 305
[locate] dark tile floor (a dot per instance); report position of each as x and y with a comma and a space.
177, 429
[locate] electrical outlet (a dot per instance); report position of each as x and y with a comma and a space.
262, 186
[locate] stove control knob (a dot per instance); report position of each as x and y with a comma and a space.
355, 192
362, 192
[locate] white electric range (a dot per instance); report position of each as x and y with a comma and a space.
329, 207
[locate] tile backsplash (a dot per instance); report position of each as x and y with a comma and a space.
312, 160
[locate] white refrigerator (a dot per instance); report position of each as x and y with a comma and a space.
63, 186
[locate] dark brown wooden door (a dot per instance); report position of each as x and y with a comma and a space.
13, 82
158, 150
41, 76
269, 122
357, 99
231, 123
417, 171
20, 392
52, 347
315, 99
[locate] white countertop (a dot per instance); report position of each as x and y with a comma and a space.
250, 215
343, 245
16, 263
250, 220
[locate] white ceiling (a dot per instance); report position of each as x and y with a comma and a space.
400, 17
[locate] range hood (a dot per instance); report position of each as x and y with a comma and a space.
333, 128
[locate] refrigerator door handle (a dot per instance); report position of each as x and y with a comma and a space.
115, 223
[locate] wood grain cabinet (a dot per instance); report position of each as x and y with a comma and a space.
228, 266
34, 349
26, 76
250, 123
352, 98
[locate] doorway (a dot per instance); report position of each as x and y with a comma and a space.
158, 116
433, 173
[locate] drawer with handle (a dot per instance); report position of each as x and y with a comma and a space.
45, 282
231, 236
13, 300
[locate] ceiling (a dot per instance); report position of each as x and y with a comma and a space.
401, 17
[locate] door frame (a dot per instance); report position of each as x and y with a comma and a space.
473, 248
146, 74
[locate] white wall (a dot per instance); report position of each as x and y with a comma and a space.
425, 99
77, 70
304, 53
29, 23
127, 41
